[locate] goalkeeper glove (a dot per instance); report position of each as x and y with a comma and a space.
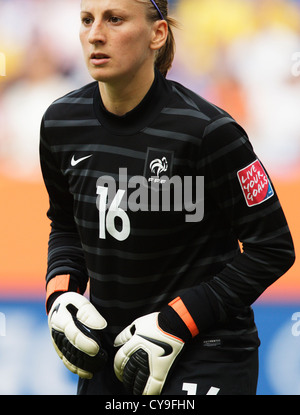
75, 327
150, 346
146, 356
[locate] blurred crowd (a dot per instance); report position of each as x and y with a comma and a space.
243, 55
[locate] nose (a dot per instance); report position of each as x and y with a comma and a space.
97, 33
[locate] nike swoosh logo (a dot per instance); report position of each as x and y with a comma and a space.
55, 310
75, 162
165, 346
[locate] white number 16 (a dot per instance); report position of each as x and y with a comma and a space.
107, 220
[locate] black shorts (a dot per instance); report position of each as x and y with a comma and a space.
197, 372
223, 374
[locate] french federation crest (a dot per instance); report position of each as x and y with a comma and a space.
158, 163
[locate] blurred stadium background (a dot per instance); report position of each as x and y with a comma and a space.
244, 55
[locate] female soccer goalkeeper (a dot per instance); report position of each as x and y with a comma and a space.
170, 290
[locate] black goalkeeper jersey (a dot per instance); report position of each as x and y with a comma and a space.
139, 259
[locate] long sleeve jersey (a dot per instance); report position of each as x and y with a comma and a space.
111, 229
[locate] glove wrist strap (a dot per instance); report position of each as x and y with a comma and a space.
176, 319
56, 286
178, 306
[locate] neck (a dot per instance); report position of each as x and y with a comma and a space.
120, 98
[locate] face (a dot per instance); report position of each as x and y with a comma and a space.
117, 39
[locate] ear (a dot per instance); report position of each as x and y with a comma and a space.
159, 34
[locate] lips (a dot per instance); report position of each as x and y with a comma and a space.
98, 58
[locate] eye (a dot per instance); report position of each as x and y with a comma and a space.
115, 19
87, 21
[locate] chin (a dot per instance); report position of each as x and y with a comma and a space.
99, 74
103, 74
104, 78
107, 75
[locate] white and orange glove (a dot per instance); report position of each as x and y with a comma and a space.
146, 356
147, 352
75, 326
